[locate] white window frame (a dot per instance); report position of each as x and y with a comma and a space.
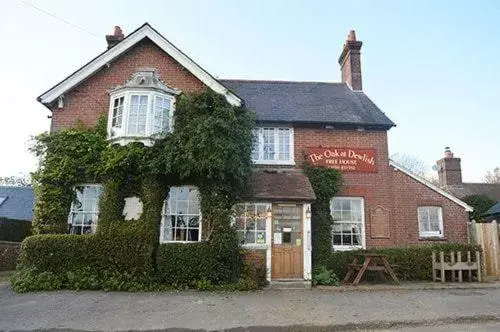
267, 234
74, 210
425, 209
121, 134
164, 220
259, 132
347, 222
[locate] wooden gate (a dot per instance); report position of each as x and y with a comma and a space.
287, 250
487, 236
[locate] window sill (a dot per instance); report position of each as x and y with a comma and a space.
432, 238
255, 246
124, 140
274, 162
347, 248
184, 242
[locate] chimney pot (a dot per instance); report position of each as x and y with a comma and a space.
351, 36
115, 38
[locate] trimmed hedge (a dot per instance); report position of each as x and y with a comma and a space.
412, 263
14, 230
184, 264
126, 250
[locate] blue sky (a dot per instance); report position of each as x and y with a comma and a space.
431, 66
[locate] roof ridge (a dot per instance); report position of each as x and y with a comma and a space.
276, 81
482, 183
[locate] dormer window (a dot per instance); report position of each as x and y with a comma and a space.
141, 110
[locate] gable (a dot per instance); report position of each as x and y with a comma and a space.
102, 60
430, 186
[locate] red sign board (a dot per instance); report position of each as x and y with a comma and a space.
343, 159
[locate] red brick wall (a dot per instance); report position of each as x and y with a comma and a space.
90, 99
395, 192
408, 195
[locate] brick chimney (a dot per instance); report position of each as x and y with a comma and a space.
115, 38
350, 62
449, 170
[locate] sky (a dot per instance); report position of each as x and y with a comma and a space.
431, 66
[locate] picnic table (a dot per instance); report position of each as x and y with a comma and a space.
372, 262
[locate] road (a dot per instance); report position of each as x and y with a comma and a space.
285, 310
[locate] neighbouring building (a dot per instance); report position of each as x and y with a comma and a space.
16, 213
136, 81
450, 179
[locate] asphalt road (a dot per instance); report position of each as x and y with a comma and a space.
285, 310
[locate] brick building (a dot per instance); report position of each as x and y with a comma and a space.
135, 83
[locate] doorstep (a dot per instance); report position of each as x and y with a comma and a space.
289, 284
410, 286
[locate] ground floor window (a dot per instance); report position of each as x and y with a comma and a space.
348, 223
85, 209
181, 216
430, 221
250, 221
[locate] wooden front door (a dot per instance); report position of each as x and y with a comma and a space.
287, 250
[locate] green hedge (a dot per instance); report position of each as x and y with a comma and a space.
184, 264
126, 250
14, 230
412, 263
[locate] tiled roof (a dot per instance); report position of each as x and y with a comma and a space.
308, 102
18, 203
466, 189
290, 185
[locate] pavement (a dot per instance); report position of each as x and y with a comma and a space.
469, 309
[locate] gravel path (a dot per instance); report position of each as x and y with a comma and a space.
100, 311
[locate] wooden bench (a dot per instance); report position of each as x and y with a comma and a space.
456, 266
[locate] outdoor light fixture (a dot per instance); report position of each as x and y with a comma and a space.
269, 212
308, 212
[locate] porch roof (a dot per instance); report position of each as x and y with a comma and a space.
281, 185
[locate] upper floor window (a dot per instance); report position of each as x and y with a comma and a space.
273, 145
85, 210
430, 221
141, 109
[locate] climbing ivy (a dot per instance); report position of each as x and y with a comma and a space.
326, 183
210, 148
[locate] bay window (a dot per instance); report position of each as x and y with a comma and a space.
181, 216
84, 211
348, 229
273, 145
141, 109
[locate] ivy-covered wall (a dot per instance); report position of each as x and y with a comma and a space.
210, 148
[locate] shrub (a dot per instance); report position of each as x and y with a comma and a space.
126, 250
253, 276
323, 276
481, 204
411, 262
14, 230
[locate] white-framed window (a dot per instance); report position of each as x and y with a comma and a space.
181, 216
430, 221
140, 114
273, 145
348, 230
251, 222
84, 210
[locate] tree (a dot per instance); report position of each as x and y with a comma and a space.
412, 163
493, 176
18, 181
480, 203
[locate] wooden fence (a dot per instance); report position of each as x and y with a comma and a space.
487, 235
